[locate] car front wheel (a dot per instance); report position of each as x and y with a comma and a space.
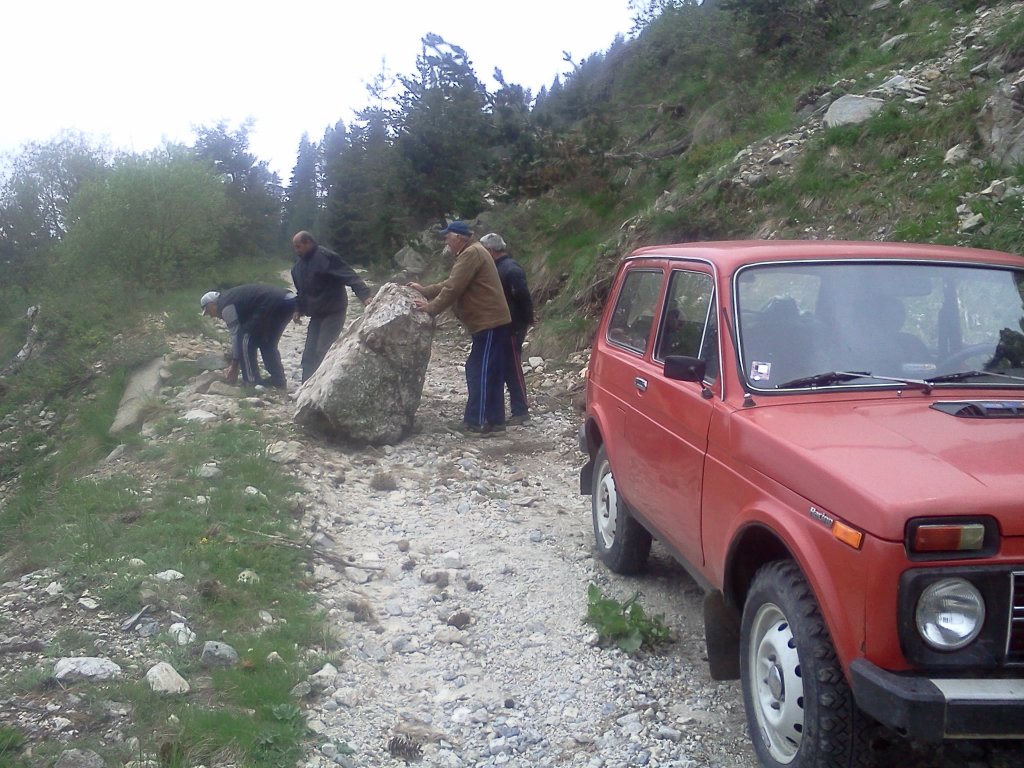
622, 543
800, 710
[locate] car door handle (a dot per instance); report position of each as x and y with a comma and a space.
640, 383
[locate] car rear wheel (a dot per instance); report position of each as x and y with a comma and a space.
800, 710
622, 543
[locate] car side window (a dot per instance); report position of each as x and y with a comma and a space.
689, 325
633, 316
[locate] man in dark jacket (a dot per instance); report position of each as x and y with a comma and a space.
256, 316
520, 305
320, 277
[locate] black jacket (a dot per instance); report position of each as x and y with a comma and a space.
320, 280
517, 294
254, 309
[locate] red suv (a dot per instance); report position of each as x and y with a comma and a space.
829, 436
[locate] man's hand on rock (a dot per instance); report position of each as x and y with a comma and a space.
419, 303
414, 286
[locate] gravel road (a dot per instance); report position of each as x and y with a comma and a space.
462, 616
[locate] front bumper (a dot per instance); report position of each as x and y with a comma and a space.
934, 709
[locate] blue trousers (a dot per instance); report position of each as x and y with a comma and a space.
485, 377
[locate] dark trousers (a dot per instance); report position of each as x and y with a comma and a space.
320, 335
514, 379
265, 338
485, 377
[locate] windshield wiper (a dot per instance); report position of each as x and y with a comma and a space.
835, 377
820, 379
961, 375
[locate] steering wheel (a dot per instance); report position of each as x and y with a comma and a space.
954, 361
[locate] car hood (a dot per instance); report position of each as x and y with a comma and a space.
875, 464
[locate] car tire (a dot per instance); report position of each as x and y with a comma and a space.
800, 710
622, 543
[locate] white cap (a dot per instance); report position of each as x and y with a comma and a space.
208, 297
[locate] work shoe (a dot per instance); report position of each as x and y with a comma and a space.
475, 430
518, 419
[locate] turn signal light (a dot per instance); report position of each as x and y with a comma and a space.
967, 537
849, 536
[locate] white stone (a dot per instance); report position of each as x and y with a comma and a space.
199, 416
181, 634
248, 577
163, 678
169, 575
85, 668
209, 471
956, 155
452, 559
285, 451
535, 362
850, 109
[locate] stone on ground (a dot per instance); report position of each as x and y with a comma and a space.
142, 387
369, 386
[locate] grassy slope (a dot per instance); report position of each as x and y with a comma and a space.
884, 178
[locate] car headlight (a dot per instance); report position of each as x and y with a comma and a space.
950, 614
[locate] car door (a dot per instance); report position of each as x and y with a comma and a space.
627, 340
667, 427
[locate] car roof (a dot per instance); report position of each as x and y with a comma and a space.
729, 255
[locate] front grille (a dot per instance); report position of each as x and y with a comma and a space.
1015, 639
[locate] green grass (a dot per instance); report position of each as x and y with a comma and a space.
88, 528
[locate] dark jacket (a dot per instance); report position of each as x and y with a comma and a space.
254, 309
320, 280
517, 294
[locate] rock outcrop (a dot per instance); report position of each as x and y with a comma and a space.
369, 385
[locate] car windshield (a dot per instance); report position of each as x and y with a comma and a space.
807, 325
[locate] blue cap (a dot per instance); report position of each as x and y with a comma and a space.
457, 227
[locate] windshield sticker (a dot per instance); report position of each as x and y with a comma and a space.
760, 371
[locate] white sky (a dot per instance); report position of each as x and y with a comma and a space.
134, 73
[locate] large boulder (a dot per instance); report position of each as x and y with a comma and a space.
369, 385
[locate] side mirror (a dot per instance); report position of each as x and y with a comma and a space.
683, 368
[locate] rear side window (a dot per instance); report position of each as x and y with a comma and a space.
689, 325
633, 316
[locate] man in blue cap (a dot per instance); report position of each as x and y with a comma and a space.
256, 316
473, 291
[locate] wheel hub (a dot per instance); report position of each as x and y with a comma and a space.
776, 684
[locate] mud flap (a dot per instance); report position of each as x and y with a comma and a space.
722, 636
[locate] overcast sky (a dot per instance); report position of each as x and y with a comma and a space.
136, 73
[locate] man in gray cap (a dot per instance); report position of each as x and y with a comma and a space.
520, 305
256, 316
473, 291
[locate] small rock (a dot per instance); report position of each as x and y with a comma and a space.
209, 471
79, 758
199, 416
169, 575
181, 634
248, 577
452, 559
301, 690
956, 155
217, 654
459, 620
163, 678
85, 668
